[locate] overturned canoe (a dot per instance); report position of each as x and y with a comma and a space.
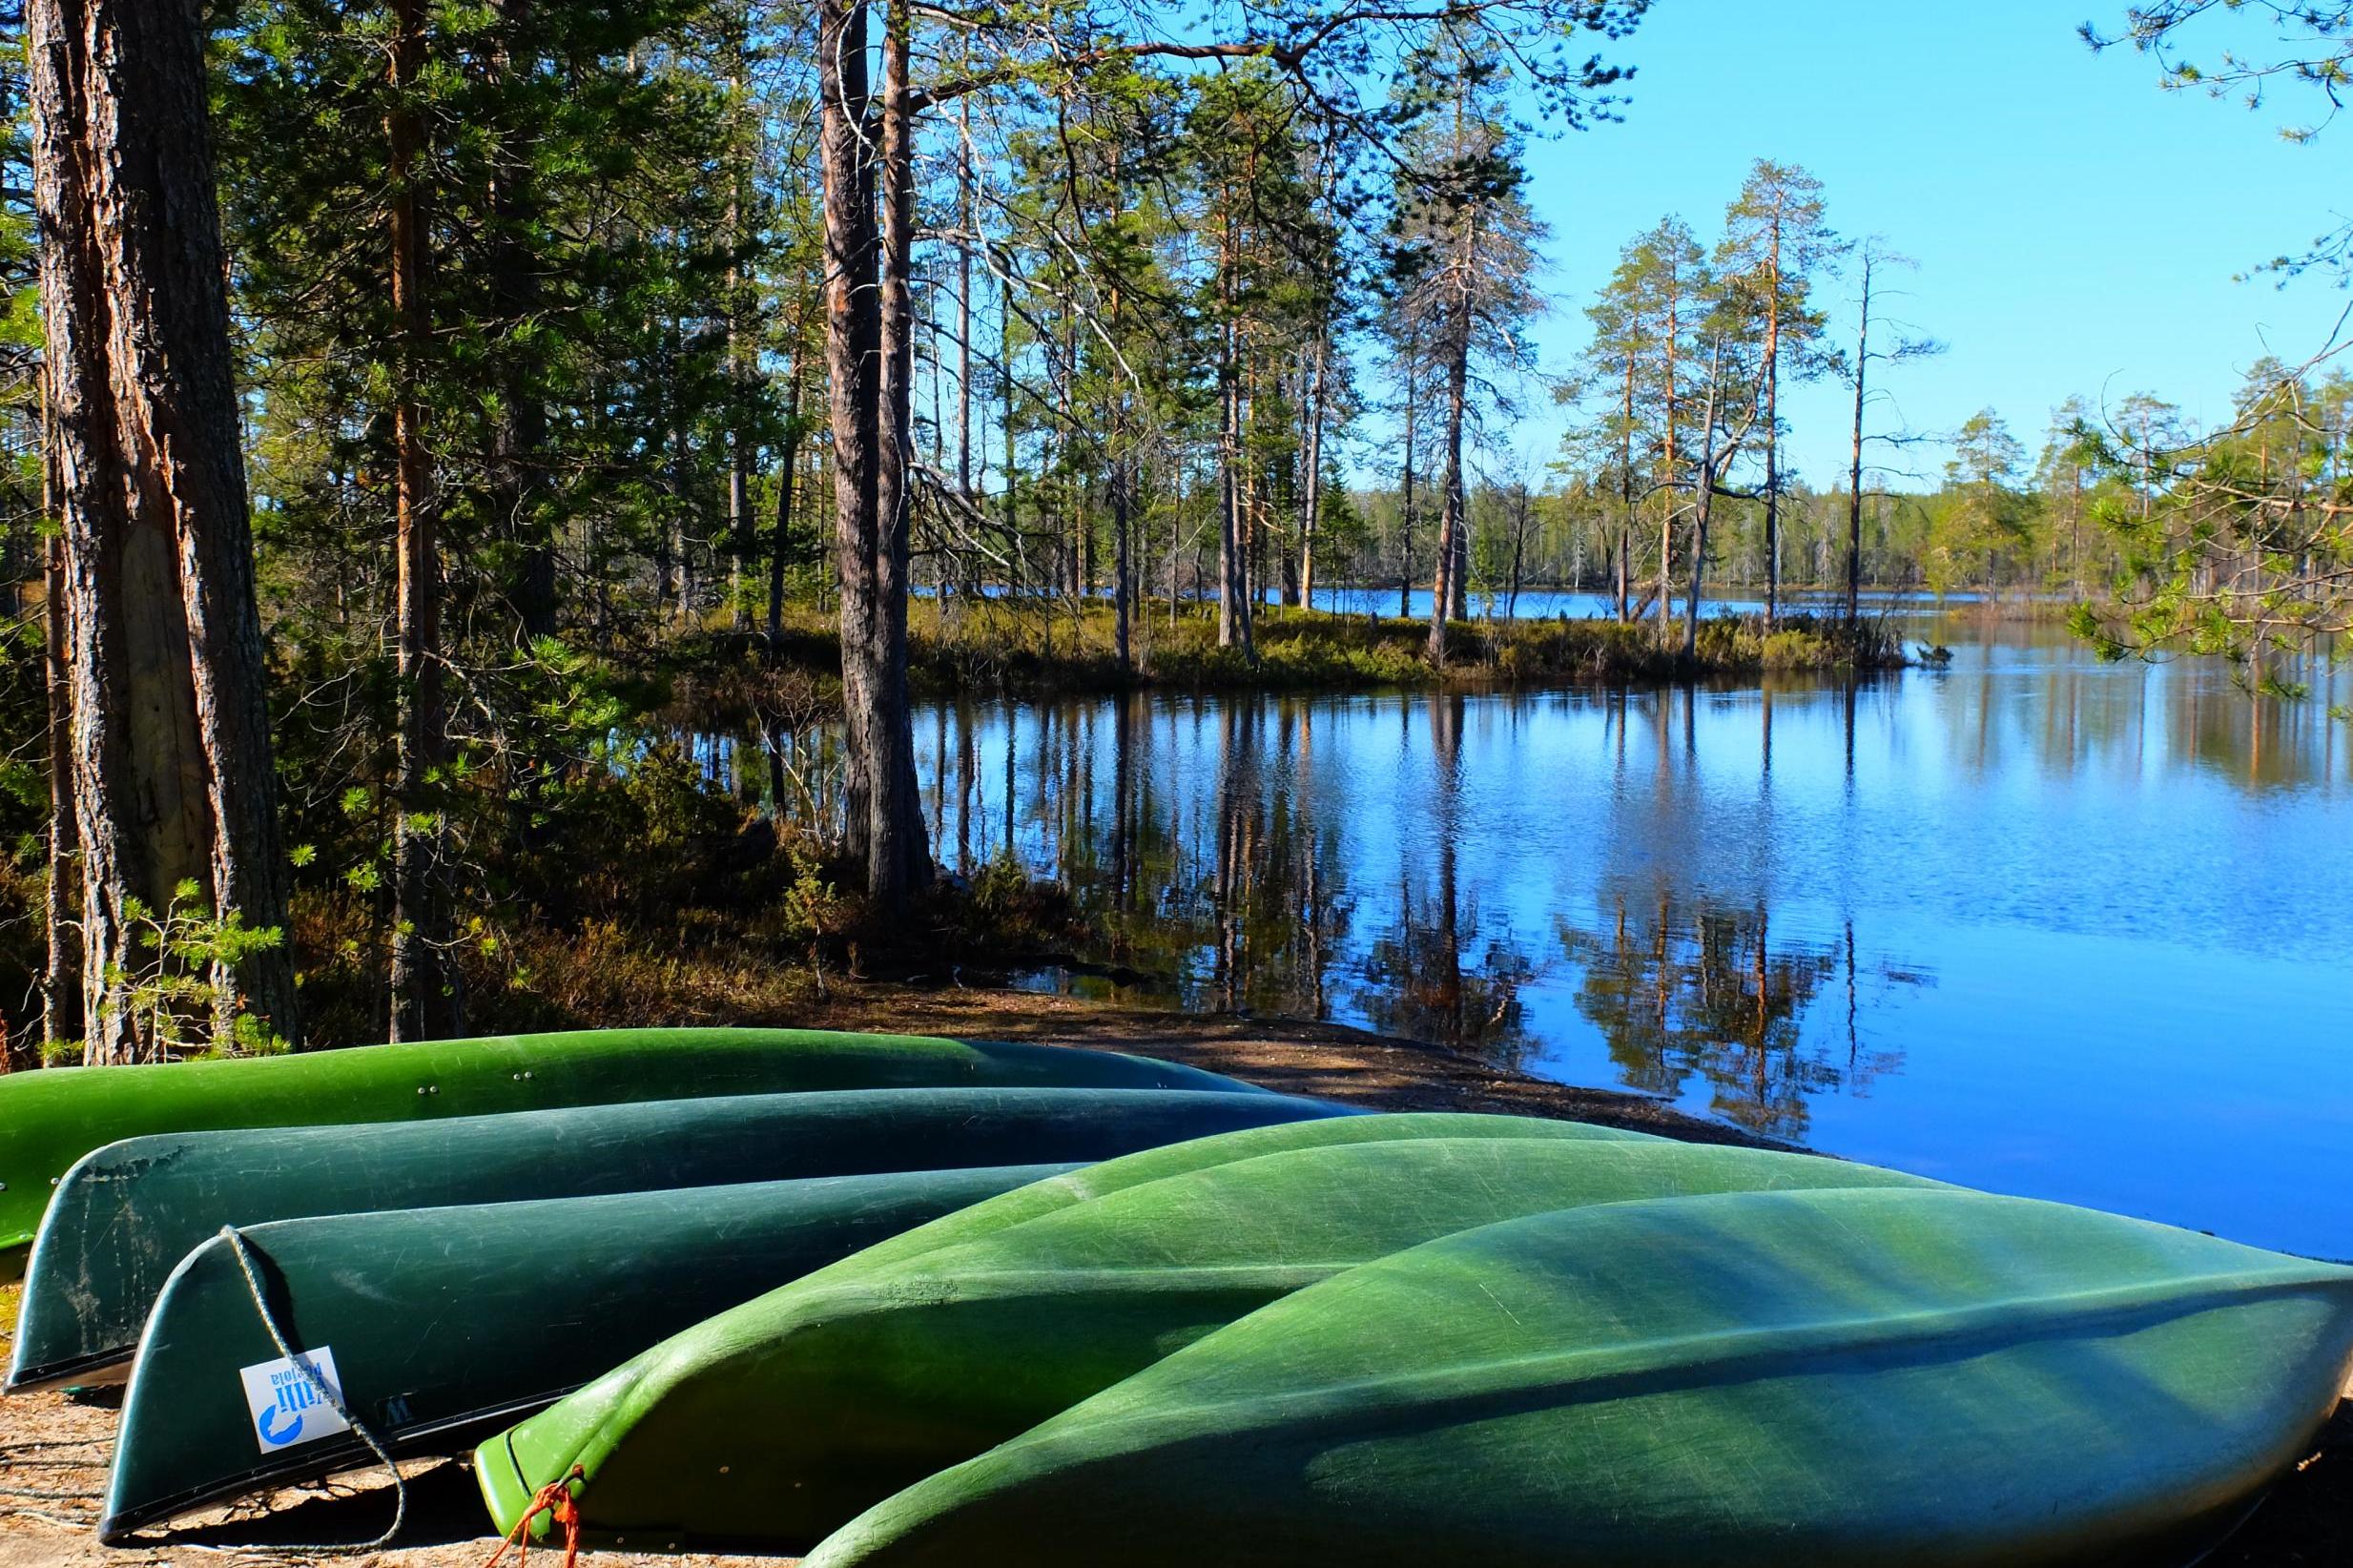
126, 1215
1831, 1379
1155, 1164
442, 1321
51, 1119
891, 1372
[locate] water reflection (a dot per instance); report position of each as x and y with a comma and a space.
1707, 1000
2026, 922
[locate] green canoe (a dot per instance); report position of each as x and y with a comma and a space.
441, 1323
126, 1215
51, 1119
1153, 1164
779, 1420
1835, 1379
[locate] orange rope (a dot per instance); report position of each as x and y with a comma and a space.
554, 1499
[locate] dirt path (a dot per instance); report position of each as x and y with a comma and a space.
52, 1449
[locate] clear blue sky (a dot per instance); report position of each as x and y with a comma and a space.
2078, 229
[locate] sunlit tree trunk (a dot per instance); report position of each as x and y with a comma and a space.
870, 359
1668, 458
61, 998
1454, 522
1624, 583
1772, 435
1233, 590
788, 480
1406, 500
171, 774
1311, 503
1854, 473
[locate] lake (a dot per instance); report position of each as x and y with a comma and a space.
2026, 922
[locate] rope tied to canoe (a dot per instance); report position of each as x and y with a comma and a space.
555, 1499
243, 1251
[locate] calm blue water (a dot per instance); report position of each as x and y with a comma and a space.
2028, 922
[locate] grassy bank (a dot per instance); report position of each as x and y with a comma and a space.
1032, 647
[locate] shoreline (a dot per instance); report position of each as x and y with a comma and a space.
2308, 1520
1038, 648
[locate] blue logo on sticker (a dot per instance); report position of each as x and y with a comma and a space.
275, 1436
281, 1423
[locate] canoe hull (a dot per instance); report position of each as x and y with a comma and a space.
51, 1118
1841, 1379
125, 1216
896, 1371
445, 1323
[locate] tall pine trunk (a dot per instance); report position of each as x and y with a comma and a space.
1453, 519
171, 769
1406, 501
61, 998
1625, 585
1854, 475
1311, 503
1668, 458
425, 999
521, 432
870, 357
1233, 577
788, 476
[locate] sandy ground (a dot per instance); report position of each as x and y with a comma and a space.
52, 1449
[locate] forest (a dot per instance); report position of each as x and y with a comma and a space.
426, 419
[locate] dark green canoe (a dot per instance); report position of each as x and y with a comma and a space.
126, 1215
442, 1321
1832, 1379
51, 1119
776, 1421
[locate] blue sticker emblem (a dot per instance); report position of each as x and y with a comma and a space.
286, 1403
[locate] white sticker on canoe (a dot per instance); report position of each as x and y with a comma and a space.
286, 1407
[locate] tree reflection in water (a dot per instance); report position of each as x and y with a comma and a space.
1231, 866
1704, 994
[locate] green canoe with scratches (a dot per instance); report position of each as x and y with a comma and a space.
779, 1420
444, 1323
127, 1214
1823, 1379
51, 1118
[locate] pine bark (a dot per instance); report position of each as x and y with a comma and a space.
1772, 434
1406, 504
61, 998
1624, 583
521, 436
870, 357
1854, 475
425, 999
1311, 503
788, 477
1233, 576
172, 773
1447, 590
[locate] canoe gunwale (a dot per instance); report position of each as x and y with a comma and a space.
99, 1369
343, 1454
